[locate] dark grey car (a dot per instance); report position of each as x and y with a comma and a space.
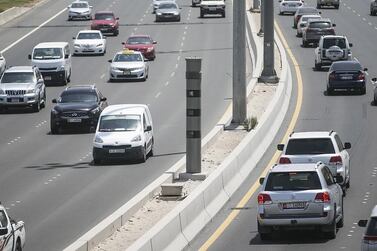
315, 30
168, 11
346, 75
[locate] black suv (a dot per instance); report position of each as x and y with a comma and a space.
78, 106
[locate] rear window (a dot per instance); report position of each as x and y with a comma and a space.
345, 66
310, 146
372, 227
340, 42
293, 181
320, 25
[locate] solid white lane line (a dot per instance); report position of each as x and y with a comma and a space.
103, 75
32, 31
157, 95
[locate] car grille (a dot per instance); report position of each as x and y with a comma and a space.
48, 69
103, 26
15, 92
117, 147
75, 114
127, 69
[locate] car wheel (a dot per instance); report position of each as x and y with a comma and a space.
54, 129
330, 91
143, 154
265, 233
201, 13
18, 245
37, 106
304, 43
116, 33
340, 223
317, 67
318, 6
97, 161
332, 227
363, 90
336, 7
43, 105
223, 14
150, 154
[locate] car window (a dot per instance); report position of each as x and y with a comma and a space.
79, 5
3, 219
104, 16
18, 77
290, 181
338, 142
320, 25
128, 57
168, 6
310, 146
139, 40
328, 176
340, 42
111, 123
372, 227
78, 97
85, 35
47, 53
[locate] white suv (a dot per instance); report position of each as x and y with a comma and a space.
311, 147
300, 196
22, 86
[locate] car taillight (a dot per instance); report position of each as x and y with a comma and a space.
368, 238
284, 160
361, 76
264, 199
322, 197
332, 76
336, 160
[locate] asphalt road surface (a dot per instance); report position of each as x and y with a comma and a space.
352, 116
48, 181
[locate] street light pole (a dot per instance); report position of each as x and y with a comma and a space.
239, 62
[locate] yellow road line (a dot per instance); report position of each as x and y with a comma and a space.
274, 159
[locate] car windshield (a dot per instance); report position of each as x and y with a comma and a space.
79, 5
167, 6
48, 53
340, 42
320, 25
77, 97
139, 40
110, 123
372, 227
293, 181
3, 219
85, 35
310, 146
103, 16
18, 77
128, 57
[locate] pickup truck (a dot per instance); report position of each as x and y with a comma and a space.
12, 233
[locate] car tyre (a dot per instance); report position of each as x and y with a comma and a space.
97, 161
340, 223
143, 155
18, 245
43, 105
332, 227
201, 13
363, 90
317, 66
336, 7
330, 91
37, 106
265, 233
54, 129
319, 6
305, 43
223, 14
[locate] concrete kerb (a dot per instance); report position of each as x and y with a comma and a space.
267, 129
101, 231
15, 12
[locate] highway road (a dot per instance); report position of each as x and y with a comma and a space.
352, 116
48, 181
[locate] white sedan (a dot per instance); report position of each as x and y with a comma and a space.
289, 6
89, 42
3, 64
128, 64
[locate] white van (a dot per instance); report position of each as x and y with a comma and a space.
124, 132
54, 61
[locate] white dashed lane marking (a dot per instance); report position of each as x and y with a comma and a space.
103, 75
158, 94
167, 83
172, 74
14, 140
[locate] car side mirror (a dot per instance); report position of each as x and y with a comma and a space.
154, 42
66, 56
280, 147
117, 18
319, 12
110, 61
148, 129
333, 25
29, 56
279, 1
374, 79
54, 101
73, 38
350, 44
103, 99
362, 223
339, 179
302, 25
3, 231
347, 145
123, 43
365, 69
261, 180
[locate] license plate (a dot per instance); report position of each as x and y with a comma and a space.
212, 8
346, 77
291, 5
47, 77
74, 120
294, 205
126, 72
15, 100
117, 150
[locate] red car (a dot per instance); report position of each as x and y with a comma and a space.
143, 43
106, 22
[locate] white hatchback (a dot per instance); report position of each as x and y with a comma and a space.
124, 131
89, 42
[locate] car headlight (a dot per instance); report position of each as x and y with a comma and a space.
99, 45
111, 24
149, 49
158, 14
113, 68
95, 110
30, 91
98, 139
61, 68
136, 138
77, 45
2, 91
55, 112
